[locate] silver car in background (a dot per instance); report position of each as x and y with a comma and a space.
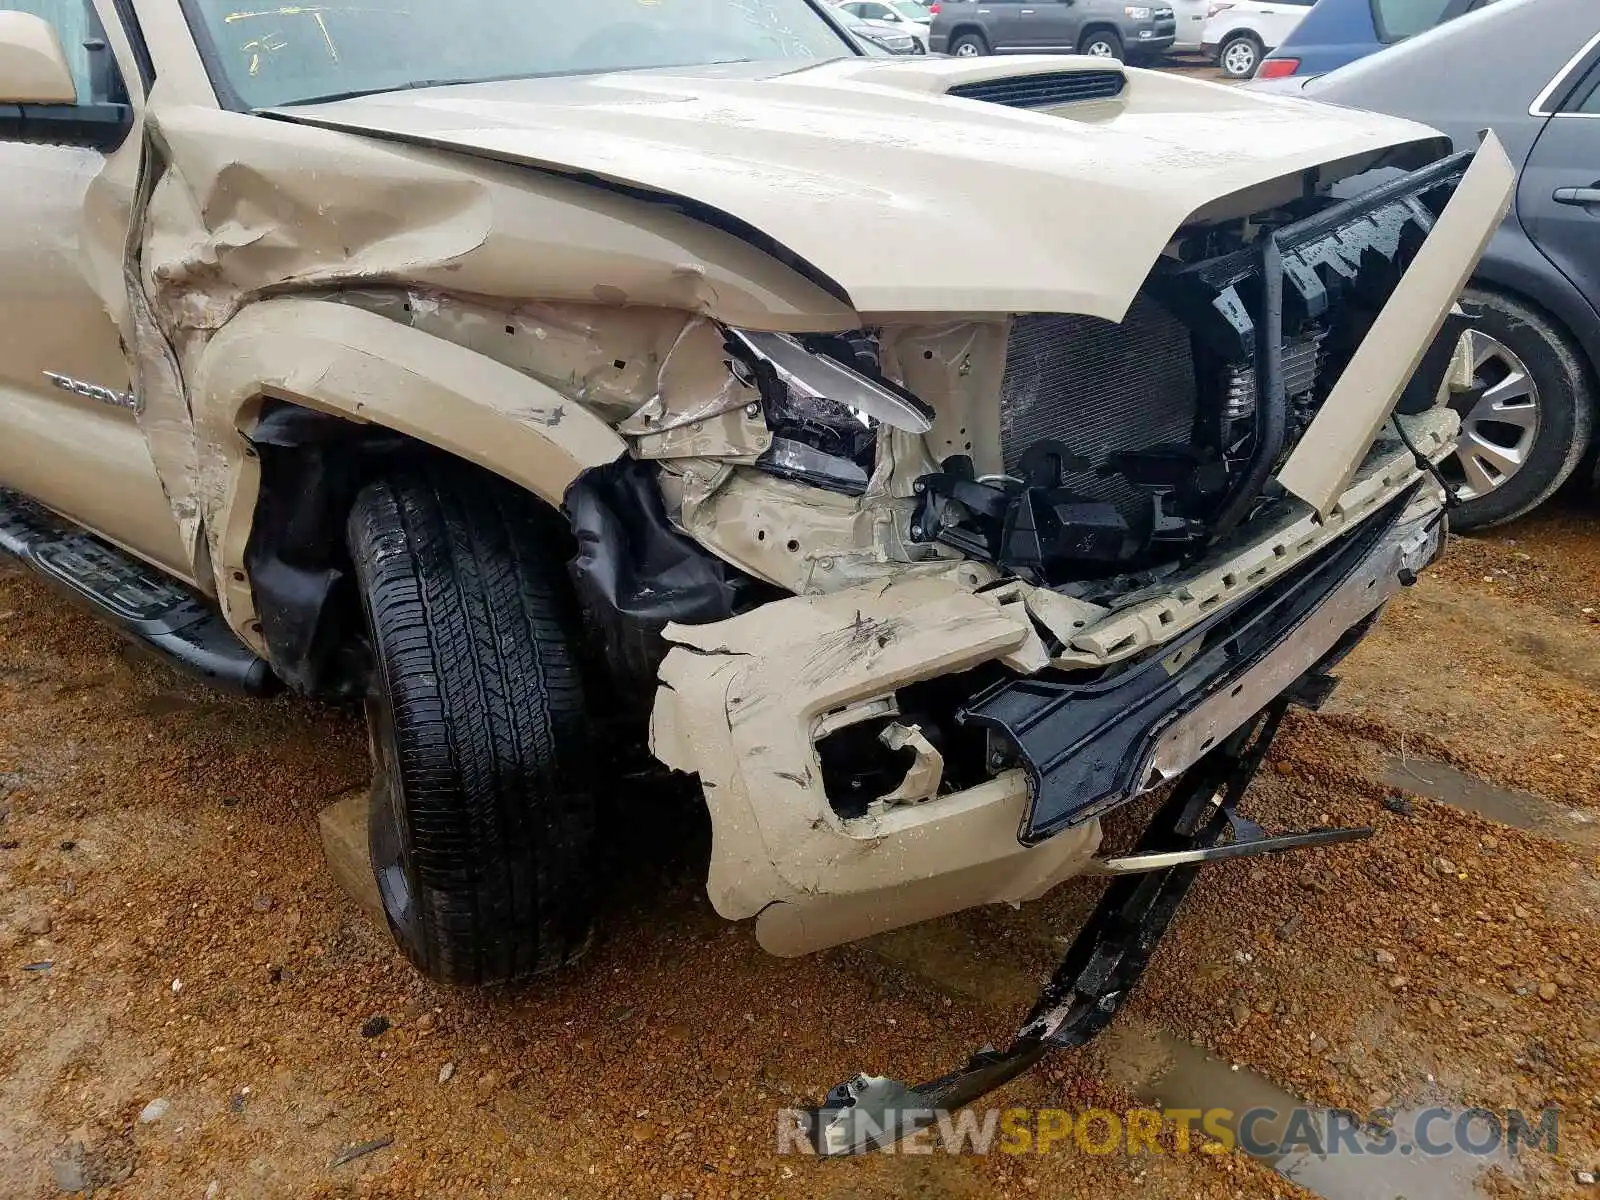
910, 17
894, 38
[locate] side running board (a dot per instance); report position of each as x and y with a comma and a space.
139, 601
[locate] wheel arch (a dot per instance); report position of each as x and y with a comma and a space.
1094, 27
1494, 279
293, 400
969, 27
1241, 31
1506, 269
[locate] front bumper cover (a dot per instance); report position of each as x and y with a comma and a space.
742, 702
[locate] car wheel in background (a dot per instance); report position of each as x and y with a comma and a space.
1101, 43
1527, 419
969, 45
1240, 55
482, 815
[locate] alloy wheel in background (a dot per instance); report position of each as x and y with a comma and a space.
1239, 58
1499, 418
1101, 46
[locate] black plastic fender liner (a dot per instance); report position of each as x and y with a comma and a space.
634, 573
312, 467
1085, 746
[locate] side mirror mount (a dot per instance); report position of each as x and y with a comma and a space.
33, 67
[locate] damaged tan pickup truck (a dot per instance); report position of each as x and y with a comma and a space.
928, 455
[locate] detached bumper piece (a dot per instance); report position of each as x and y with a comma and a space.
1214, 699
1088, 747
1094, 979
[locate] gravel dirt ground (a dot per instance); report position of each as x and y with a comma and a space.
190, 1007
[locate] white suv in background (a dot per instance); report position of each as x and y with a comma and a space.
1239, 33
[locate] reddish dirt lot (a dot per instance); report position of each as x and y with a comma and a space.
169, 934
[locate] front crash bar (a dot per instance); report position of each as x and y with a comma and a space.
1088, 747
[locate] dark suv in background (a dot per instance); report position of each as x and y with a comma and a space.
1099, 27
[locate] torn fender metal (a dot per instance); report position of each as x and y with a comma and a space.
338, 359
739, 705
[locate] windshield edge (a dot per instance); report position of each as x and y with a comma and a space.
229, 98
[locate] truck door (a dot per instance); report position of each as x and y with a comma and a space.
69, 434
999, 19
1048, 25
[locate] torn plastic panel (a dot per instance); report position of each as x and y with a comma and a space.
312, 466
1237, 724
635, 573
906, 748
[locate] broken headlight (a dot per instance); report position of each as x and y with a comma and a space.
823, 400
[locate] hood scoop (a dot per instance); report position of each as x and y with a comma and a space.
1045, 91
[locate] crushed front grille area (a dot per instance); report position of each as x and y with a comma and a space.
1131, 445
1100, 389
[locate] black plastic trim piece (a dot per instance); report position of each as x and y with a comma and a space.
98, 126
1084, 745
1045, 91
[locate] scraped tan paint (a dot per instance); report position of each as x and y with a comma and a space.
740, 704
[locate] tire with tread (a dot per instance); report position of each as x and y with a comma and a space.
482, 820
1110, 37
1567, 402
1257, 53
978, 43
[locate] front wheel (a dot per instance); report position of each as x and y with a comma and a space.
969, 45
1240, 56
483, 815
1102, 43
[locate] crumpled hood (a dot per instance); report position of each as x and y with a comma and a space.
1007, 210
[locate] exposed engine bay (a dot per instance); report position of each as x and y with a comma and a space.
1069, 453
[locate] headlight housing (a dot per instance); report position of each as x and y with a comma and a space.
1138, 13
823, 401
